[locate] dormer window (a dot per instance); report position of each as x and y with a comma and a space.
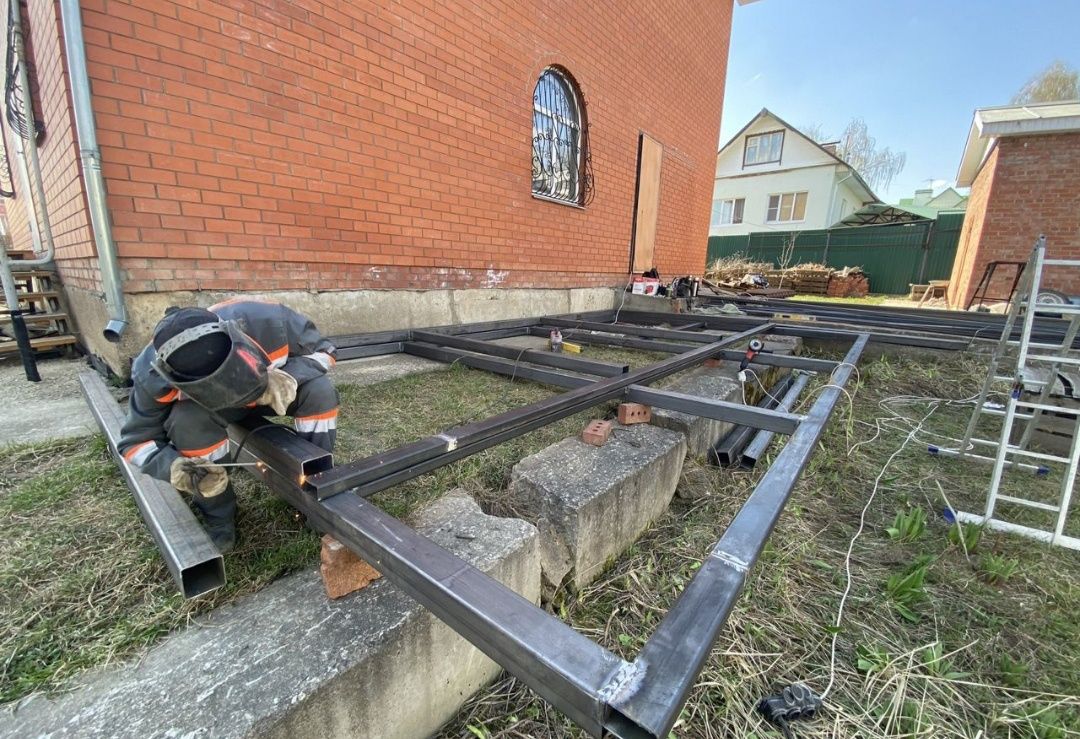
764, 148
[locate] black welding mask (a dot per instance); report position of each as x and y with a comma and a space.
209, 360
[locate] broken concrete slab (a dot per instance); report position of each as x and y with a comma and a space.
703, 382
287, 662
591, 503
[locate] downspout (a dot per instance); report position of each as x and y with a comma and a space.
832, 195
90, 156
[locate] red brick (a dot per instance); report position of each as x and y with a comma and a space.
342, 571
631, 413
596, 432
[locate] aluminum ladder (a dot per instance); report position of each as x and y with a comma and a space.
1005, 454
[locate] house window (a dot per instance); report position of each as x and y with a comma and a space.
557, 138
790, 206
763, 148
727, 212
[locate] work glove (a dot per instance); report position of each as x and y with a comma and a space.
280, 391
197, 476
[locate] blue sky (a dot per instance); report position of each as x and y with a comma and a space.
915, 71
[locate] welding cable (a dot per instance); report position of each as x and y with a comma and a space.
851, 547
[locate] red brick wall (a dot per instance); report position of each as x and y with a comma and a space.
1030, 185
58, 154
264, 144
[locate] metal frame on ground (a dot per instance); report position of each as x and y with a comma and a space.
598, 690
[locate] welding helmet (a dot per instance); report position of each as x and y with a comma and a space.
209, 360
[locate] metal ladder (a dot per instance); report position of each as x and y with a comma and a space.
1051, 357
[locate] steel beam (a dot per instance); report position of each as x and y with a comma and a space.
677, 650
194, 562
549, 359
518, 421
369, 350
726, 452
757, 446
720, 410
695, 337
763, 359
565, 668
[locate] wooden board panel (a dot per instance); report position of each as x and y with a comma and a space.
648, 205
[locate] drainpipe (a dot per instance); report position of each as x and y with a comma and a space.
31, 174
832, 195
90, 157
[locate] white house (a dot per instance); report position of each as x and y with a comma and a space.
770, 176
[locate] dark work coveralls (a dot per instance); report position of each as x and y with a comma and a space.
163, 424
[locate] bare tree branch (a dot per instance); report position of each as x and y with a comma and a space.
1057, 82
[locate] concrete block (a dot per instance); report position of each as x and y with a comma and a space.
591, 503
287, 662
596, 432
701, 433
342, 571
631, 413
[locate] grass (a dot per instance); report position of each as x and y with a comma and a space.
985, 647
988, 647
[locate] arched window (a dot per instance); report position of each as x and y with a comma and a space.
557, 155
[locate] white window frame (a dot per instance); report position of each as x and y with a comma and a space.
729, 212
780, 207
757, 148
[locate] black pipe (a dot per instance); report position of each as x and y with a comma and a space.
728, 450
753, 451
26, 349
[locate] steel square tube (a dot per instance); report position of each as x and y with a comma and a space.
194, 562
726, 452
743, 415
550, 359
369, 350
675, 653
547, 411
289, 454
695, 337
565, 668
757, 446
521, 370
737, 413
764, 359
740, 323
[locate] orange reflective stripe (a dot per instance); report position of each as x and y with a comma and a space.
169, 396
319, 416
130, 453
203, 452
279, 353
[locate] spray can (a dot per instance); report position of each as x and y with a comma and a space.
556, 340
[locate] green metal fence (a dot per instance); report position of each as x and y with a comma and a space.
893, 256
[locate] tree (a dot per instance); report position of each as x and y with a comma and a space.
1059, 81
859, 149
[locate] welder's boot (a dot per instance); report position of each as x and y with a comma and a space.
219, 517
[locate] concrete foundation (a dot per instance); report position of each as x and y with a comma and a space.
704, 382
591, 503
287, 662
337, 312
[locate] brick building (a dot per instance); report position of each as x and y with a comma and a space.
1023, 166
379, 165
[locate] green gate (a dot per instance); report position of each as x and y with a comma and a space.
893, 256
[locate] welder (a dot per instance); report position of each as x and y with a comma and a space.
206, 368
